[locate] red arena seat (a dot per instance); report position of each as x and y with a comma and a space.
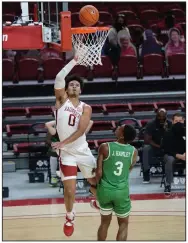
26, 147
28, 69
82, 70
150, 15
52, 66
15, 111
8, 69
177, 64
169, 105
128, 61
103, 125
105, 18
142, 107
40, 110
153, 65
113, 108
17, 129
105, 70
97, 108
144, 122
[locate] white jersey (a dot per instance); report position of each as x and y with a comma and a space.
67, 121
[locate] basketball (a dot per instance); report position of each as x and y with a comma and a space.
89, 15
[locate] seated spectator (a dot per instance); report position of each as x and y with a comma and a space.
124, 41
174, 45
47, 52
167, 23
9, 54
150, 44
174, 146
111, 47
153, 135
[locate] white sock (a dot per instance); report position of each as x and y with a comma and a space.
53, 166
70, 215
97, 203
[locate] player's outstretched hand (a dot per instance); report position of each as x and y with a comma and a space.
57, 145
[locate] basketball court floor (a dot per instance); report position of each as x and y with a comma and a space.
156, 219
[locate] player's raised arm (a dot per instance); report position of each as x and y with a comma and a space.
134, 159
102, 154
59, 85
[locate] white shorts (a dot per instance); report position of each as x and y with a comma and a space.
80, 157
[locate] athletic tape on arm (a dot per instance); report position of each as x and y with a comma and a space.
60, 77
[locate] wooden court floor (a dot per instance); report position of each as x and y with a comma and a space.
140, 228
150, 220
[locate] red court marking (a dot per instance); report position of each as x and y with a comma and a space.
81, 215
47, 201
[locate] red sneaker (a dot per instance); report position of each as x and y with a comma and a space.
94, 205
68, 226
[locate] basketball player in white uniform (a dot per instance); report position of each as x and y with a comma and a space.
72, 120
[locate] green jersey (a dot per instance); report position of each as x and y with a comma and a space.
116, 166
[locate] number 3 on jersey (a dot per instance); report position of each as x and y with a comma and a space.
119, 165
72, 120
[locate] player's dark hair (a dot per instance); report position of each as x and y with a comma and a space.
72, 77
129, 133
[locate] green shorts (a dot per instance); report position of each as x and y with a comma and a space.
114, 200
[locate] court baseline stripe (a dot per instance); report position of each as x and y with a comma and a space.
46, 201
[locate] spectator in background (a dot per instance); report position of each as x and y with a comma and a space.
10, 54
174, 45
111, 47
167, 23
150, 44
154, 133
48, 52
124, 41
174, 146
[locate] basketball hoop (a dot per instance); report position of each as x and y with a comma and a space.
88, 43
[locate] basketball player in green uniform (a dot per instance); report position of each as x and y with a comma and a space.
115, 160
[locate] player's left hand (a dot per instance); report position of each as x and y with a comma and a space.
57, 145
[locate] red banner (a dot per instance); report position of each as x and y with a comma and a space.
22, 37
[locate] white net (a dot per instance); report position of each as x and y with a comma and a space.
88, 47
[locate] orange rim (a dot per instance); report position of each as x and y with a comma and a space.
85, 30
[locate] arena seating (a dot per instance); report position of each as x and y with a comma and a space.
28, 69
143, 107
139, 16
105, 70
15, 111
153, 64
51, 67
17, 129
131, 62
8, 69
177, 64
